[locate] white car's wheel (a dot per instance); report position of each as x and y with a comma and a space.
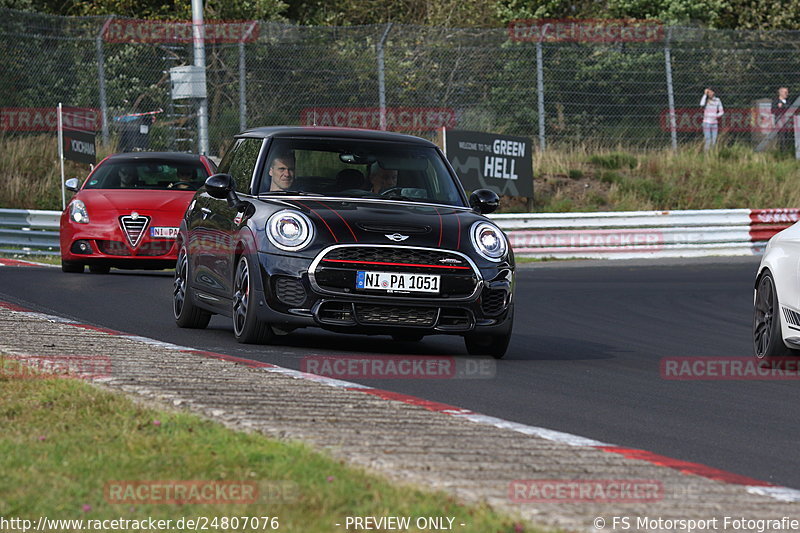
767, 337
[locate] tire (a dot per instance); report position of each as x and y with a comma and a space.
71, 267
186, 313
494, 344
99, 269
768, 344
246, 327
407, 337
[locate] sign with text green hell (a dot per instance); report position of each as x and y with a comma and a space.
501, 163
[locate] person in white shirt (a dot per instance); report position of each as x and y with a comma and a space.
712, 110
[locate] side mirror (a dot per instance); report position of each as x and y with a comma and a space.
72, 184
484, 201
220, 185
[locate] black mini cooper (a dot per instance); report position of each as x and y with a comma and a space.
352, 231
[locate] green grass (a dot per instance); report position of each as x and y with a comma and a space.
62, 441
34, 258
567, 178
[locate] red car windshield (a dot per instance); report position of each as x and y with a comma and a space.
155, 175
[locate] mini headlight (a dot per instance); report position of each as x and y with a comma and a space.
489, 241
290, 230
77, 212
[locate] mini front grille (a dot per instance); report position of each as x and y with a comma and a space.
335, 270
396, 315
134, 227
395, 254
493, 301
289, 291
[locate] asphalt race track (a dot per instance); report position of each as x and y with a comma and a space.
585, 356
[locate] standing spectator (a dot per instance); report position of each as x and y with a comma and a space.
779, 107
712, 110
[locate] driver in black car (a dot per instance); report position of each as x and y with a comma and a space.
281, 172
382, 179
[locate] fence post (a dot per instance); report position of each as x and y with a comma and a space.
540, 92
381, 80
242, 89
673, 130
101, 76
243, 80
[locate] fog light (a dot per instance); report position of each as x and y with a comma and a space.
81, 247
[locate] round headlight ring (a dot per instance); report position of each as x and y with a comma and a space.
489, 241
289, 230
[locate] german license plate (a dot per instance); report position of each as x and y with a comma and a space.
394, 281
163, 233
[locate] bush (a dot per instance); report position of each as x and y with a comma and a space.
614, 160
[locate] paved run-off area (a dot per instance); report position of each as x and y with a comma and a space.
429, 445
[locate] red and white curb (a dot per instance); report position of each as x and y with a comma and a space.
753, 486
20, 263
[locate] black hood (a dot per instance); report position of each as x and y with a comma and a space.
383, 222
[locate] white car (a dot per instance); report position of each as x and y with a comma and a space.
776, 314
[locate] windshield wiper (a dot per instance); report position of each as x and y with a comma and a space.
397, 196
290, 193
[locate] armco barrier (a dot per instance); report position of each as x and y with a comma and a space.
612, 235
641, 234
29, 231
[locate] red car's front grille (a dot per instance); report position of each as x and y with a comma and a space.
148, 249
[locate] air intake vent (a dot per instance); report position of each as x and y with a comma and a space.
792, 317
134, 227
377, 227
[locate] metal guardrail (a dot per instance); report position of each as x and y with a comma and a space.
24, 231
611, 235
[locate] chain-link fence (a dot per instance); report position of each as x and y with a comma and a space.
633, 93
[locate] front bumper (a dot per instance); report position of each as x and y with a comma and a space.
290, 297
93, 245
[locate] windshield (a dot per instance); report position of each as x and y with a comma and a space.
155, 175
352, 168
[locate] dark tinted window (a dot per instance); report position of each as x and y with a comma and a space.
359, 169
152, 174
241, 163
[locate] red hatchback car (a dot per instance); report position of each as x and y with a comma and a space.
128, 211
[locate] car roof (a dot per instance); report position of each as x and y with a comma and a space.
333, 133
176, 157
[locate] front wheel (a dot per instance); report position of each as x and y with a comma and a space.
99, 269
246, 327
186, 313
494, 344
71, 267
767, 336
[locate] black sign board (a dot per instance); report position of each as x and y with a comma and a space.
501, 163
79, 146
